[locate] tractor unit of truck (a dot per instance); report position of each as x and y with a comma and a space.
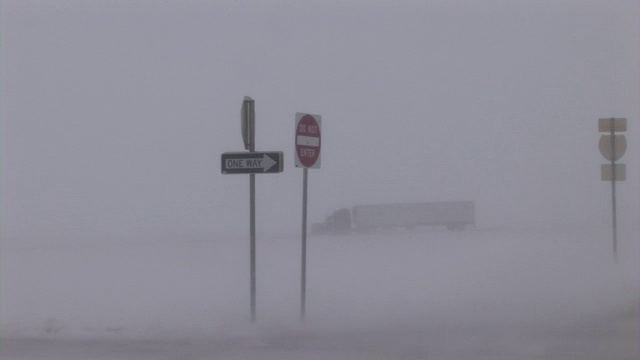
454, 215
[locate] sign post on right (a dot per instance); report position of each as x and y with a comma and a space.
612, 147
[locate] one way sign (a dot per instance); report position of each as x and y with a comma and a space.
252, 162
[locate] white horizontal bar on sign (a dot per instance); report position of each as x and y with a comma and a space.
307, 140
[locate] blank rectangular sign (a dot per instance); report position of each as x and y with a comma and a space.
606, 174
619, 124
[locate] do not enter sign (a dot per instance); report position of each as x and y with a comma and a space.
308, 129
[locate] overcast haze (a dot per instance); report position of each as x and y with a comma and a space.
115, 114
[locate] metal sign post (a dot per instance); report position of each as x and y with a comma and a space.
612, 147
251, 163
308, 130
248, 135
303, 262
252, 243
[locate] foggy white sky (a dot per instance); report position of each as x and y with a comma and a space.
115, 113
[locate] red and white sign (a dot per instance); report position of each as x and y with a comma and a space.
308, 140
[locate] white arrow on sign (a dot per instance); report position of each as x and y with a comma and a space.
265, 163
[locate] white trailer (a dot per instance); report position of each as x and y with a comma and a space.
455, 215
452, 214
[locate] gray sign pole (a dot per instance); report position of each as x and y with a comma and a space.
613, 190
249, 137
303, 283
252, 220
251, 163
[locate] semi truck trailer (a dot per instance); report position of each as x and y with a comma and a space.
454, 215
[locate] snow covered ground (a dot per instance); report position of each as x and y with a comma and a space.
406, 294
